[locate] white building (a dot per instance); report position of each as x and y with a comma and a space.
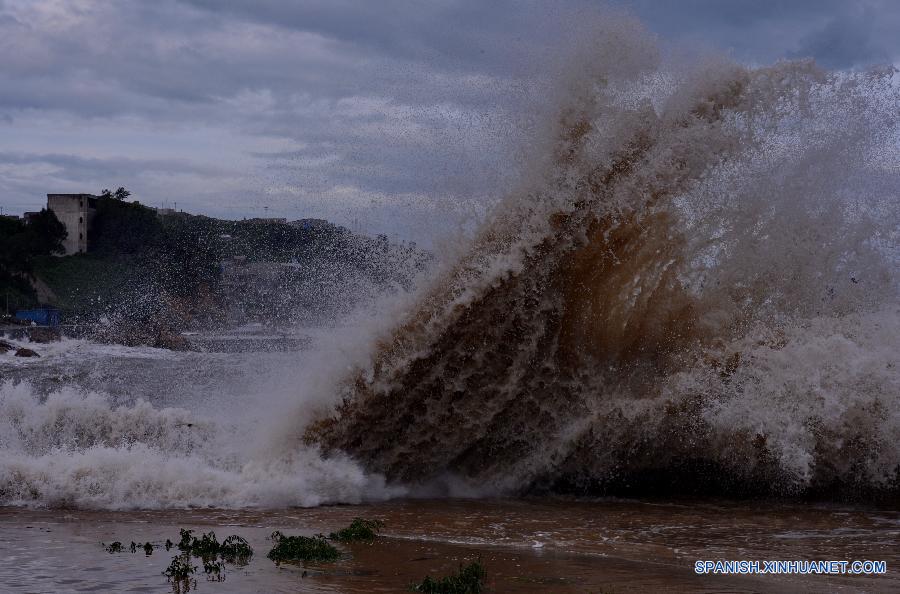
76, 212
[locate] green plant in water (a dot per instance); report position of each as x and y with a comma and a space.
186, 537
214, 570
235, 549
468, 580
180, 568
205, 546
179, 573
359, 530
302, 548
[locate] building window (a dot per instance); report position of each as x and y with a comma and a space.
80, 236
80, 219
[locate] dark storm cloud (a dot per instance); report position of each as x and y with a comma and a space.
315, 100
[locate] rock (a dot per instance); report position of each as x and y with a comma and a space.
5, 347
44, 335
23, 352
150, 332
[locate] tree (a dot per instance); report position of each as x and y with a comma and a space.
124, 228
46, 233
120, 194
20, 243
13, 246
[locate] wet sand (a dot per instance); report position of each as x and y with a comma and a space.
531, 545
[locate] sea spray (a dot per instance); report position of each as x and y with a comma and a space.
75, 448
697, 289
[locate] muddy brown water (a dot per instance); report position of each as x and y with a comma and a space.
531, 545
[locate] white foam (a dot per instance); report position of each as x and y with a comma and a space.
824, 394
75, 449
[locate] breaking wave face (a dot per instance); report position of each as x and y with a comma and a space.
694, 288
76, 449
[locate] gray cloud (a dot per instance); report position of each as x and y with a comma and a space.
84, 168
862, 36
325, 106
838, 34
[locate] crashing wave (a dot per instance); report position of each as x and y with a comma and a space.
695, 288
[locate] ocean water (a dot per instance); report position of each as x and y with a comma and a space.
113, 427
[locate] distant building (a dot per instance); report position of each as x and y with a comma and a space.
76, 212
164, 212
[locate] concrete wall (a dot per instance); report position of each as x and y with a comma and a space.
76, 212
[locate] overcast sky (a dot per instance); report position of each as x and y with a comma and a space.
378, 112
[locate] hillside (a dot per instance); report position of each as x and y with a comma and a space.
146, 274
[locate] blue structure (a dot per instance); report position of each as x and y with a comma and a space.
45, 316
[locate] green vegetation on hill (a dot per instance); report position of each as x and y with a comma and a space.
123, 228
80, 281
21, 243
164, 273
